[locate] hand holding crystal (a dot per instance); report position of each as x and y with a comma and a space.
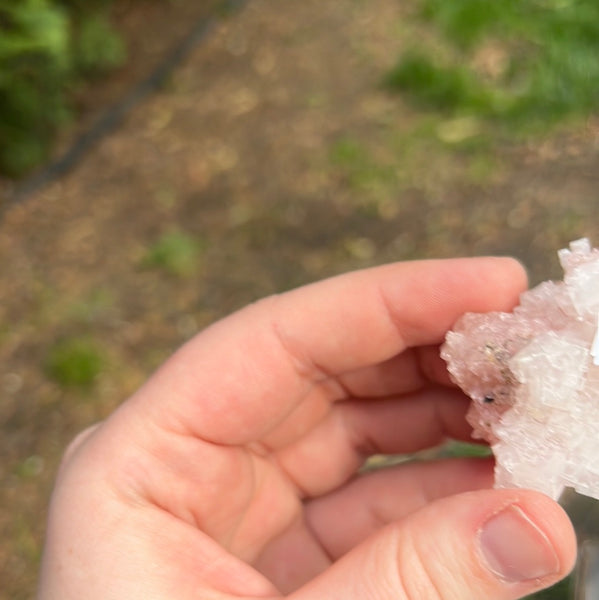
234, 472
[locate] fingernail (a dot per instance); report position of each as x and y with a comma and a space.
515, 549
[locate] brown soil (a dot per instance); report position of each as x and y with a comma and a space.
238, 152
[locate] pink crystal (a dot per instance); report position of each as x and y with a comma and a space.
533, 376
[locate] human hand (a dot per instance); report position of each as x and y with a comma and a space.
233, 472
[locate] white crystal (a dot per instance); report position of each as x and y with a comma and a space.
595, 345
533, 376
552, 368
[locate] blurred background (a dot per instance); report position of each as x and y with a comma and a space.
165, 162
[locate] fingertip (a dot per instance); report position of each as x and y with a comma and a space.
492, 544
497, 544
525, 540
515, 273
501, 280
426, 298
553, 520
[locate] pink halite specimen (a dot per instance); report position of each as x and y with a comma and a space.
533, 376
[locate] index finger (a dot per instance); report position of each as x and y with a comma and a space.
238, 379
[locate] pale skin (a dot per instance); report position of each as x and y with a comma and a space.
233, 472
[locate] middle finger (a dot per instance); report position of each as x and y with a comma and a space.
349, 432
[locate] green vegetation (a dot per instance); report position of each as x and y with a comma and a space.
99, 48
75, 362
358, 167
523, 64
29, 467
95, 307
175, 252
46, 47
456, 448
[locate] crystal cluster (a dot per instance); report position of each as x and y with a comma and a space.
533, 376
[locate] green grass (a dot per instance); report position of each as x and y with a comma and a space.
47, 49
524, 64
92, 308
360, 169
29, 467
448, 87
456, 448
368, 170
75, 362
98, 47
176, 253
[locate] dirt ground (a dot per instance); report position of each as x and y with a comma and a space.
276, 150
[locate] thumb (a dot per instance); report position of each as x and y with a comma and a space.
492, 544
